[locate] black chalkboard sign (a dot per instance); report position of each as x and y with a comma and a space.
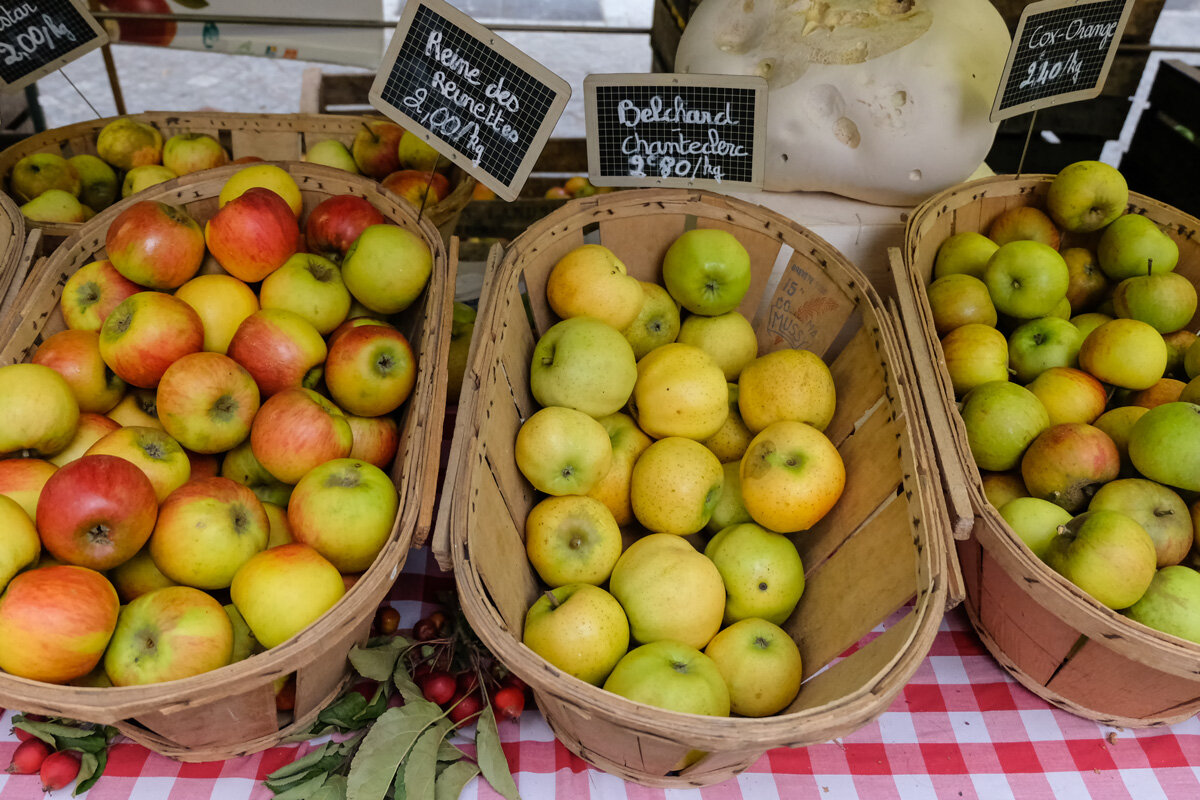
40, 36
704, 131
474, 97
1061, 53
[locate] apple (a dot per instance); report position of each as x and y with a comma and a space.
222, 302
760, 664
207, 401
672, 675
1040, 344
572, 539
419, 187
253, 234
1024, 223
96, 511
730, 508
147, 333
282, 590
657, 321
761, 570
386, 268
1124, 352
1035, 521
264, 176
1178, 343
1087, 283
336, 222
1001, 419
1190, 392
729, 338
791, 475
1135, 245
311, 286
1164, 300
139, 407
191, 152
585, 364
974, 353
37, 173
578, 628
91, 428
55, 623
788, 383
55, 205
127, 143
155, 245
91, 293
138, 576
331, 153
376, 148
730, 441
345, 510
462, 328
21, 545
1106, 554
1067, 463
707, 270
280, 348
166, 635
1087, 195
281, 529
1069, 395
141, 178
22, 479
965, 252
679, 391
370, 370
1117, 423
1164, 445
40, 410
98, 182
376, 439
153, 451
1000, 487
1171, 604
958, 299
591, 281
674, 486
296, 430
1026, 278
415, 153
628, 443
76, 356
204, 465
1156, 508
1166, 390
1088, 322
562, 451
239, 464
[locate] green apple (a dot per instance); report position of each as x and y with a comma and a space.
761, 666
590, 281
282, 590
1156, 508
672, 675
762, 572
345, 509
1164, 300
1026, 279
965, 252
1178, 343
1118, 423
562, 451
386, 268
1171, 604
168, 634
311, 286
1089, 321
628, 443
185, 153
1039, 344
239, 464
127, 143
1191, 360
657, 322
1124, 352
331, 153
1035, 521
138, 576
143, 177
21, 546
1001, 419
669, 590
462, 327
99, 186
679, 391
580, 629
1087, 283
584, 364
572, 539
1067, 463
55, 205
974, 353
415, 153
1106, 554
707, 270
1086, 196
244, 643
730, 508
38, 172
958, 299
675, 485
1135, 245
1164, 445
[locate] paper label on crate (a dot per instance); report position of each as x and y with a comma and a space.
38, 37
699, 131
479, 101
1061, 53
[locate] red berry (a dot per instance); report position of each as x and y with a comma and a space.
508, 703
59, 769
366, 688
22, 735
28, 757
387, 620
511, 680
424, 630
422, 670
438, 687
465, 708
438, 620
468, 681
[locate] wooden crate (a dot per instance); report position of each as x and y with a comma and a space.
231, 711
803, 294
273, 137
12, 246
1051, 636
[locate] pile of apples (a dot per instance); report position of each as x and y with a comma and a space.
131, 155
1073, 367
673, 460
195, 468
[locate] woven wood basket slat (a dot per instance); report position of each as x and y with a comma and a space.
231, 711
890, 517
12, 244
1051, 636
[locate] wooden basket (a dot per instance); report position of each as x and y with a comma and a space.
12, 246
877, 560
273, 137
1051, 636
231, 711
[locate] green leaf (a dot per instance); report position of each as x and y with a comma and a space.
343, 712
301, 764
448, 752
406, 685
384, 747
55, 729
453, 779
377, 663
88, 744
334, 789
305, 790
420, 768
378, 704
91, 767
491, 756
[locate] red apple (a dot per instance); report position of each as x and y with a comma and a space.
336, 222
253, 234
92, 427
418, 187
154, 244
1068, 462
246, 160
355, 322
92, 292
146, 333
96, 512
22, 480
55, 623
76, 356
375, 439
370, 370
160, 32
376, 148
204, 465
280, 349
206, 401
153, 451
296, 430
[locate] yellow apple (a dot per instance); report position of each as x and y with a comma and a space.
267, 176
974, 354
679, 391
591, 281
1069, 395
222, 302
729, 443
958, 299
563, 451
40, 410
572, 539
280, 529
1124, 352
730, 508
792, 475
628, 443
787, 384
22, 479
21, 545
657, 322
672, 675
729, 338
580, 629
761, 666
89, 431
138, 576
965, 252
1000, 487
675, 485
282, 590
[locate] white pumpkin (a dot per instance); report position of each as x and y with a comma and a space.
885, 101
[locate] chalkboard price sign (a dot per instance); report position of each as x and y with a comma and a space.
1061, 52
475, 98
40, 36
703, 131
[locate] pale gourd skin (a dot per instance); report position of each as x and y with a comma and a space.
885, 101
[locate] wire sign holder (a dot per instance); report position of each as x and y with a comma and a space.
475, 98
38, 37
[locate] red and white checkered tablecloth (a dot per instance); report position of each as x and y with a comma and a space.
961, 729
